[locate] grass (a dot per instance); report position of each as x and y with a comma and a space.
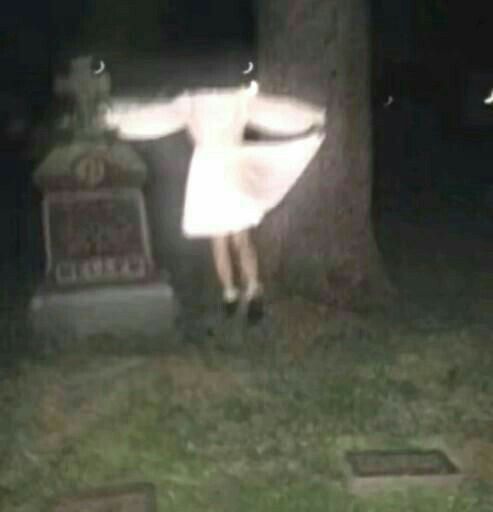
261, 420
242, 427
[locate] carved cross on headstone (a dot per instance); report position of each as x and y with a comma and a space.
89, 84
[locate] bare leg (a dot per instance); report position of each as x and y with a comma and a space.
224, 268
247, 256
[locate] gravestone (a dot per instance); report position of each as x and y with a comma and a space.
94, 216
88, 84
100, 276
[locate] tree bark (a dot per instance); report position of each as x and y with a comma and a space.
320, 241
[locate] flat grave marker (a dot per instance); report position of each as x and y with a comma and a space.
138, 497
376, 470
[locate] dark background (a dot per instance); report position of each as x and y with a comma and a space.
432, 145
434, 140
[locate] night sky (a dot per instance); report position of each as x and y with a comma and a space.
448, 36
439, 33
36, 36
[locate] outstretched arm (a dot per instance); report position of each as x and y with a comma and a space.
148, 121
282, 115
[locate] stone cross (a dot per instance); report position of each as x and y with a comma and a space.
90, 86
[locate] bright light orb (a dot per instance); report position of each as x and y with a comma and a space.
389, 102
249, 68
489, 99
100, 69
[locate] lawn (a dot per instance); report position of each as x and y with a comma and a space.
260, 419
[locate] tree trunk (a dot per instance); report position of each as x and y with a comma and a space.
320, 242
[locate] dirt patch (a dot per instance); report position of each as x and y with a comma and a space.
68, 404
477, 458
301, 326
192, 380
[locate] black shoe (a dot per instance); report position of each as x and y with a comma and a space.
229, 308
255, 310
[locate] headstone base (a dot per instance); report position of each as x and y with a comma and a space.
63, 316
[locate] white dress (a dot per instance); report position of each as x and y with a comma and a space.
232, 184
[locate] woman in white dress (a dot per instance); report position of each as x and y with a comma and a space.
232, 183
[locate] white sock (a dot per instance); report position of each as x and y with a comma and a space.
253, 290
230, 294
